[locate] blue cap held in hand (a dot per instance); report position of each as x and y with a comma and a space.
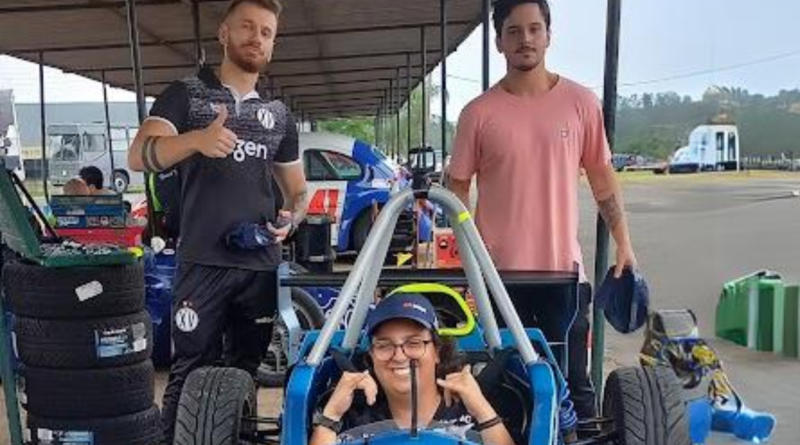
249, 236
624, 300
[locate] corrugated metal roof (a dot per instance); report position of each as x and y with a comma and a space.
332, 58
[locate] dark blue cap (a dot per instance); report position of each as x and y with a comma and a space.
249, 236
413, 307
624, 300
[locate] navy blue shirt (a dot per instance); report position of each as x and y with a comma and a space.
363, 422
216, 194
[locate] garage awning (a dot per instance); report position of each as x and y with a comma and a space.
333, 57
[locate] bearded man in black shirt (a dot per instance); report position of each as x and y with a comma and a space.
227, 143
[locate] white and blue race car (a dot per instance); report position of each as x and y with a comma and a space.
347, 180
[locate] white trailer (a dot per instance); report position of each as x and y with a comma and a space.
10, 146
711, 147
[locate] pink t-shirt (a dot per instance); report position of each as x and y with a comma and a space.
527, 154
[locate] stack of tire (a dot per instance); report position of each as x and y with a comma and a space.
83, 339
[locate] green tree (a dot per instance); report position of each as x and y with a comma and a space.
767, 125
363, 128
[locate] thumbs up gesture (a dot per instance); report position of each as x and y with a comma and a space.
216, 141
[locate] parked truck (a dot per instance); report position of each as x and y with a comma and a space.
74, 146
9, 134
711, 147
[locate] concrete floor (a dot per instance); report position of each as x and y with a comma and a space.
691, 234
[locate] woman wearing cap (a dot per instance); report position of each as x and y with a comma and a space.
402, 331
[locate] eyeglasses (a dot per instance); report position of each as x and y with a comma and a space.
413, 348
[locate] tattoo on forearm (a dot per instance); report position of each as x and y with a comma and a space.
610, 211
148, 167
297, 205
150, 156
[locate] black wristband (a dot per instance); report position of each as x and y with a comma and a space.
324, 421
494, 421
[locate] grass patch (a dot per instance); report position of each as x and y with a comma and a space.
705, 178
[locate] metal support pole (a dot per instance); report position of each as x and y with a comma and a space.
43, 129
136, 59
443, 92
386, 123
423, 51
389, 95
395, 106
198, 41
486, 22
375, 127
397, 113
108, 128
379, 138
408, 101
138, 82
601, 249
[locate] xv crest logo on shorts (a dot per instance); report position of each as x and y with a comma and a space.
186, 319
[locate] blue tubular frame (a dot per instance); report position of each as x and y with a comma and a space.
303, 389
548, 387
313, 374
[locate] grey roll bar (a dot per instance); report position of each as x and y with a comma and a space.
359, 288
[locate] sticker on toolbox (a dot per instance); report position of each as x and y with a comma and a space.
105, 221
68, 221
91, 222
118, 342
89, 290
61, 437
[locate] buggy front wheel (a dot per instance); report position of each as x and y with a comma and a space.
213, 404
647, 407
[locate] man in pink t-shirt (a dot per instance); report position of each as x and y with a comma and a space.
527, 140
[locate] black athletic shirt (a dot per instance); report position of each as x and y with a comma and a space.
366, 421
217, 194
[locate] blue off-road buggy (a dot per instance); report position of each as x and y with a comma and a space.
519, 370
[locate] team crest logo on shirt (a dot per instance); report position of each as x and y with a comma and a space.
564, 132
186, 319
266, 118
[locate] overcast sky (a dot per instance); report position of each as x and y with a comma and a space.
678, 45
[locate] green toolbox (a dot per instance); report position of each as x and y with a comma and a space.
746, 310
791, 321
18, 233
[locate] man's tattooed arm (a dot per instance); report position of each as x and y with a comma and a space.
611, 211
150, 159
298, 205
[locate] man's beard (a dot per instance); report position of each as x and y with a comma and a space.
245, 64
526, 67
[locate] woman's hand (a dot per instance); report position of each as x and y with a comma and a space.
463, 386
342, 396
